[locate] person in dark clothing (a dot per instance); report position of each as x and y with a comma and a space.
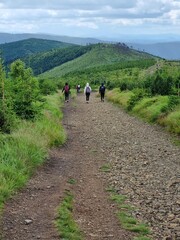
66, 90
102, 90
78, 87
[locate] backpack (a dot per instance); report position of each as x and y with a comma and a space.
102, 89
66, 88
88, 90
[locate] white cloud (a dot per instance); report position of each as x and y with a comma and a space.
84, 16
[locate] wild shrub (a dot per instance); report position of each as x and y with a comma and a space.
161, 86
123, 86
138, 95
25, 90
7, 116
47, 86
173, 101
110, 85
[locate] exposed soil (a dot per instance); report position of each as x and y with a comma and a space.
145, 166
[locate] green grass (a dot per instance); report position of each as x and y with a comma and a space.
151, 108
27, 147
126, 218
72, 181
118, 97
105, 168
119, 199
65, 223
172, 121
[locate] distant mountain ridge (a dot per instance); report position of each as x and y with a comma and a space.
167, 50
9, 37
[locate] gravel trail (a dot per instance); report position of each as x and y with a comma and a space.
145, 166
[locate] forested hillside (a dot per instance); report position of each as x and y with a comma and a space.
99, 55
43, 55
25, 48
42, 62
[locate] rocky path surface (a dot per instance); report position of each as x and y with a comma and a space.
144, 166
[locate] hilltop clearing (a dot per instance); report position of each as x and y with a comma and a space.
140, 162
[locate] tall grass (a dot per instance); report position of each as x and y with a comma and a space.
121, 98
151, 108
172, 121
27, 147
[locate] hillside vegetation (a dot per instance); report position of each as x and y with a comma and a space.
30, 123
24, 48
98, 56
42, 62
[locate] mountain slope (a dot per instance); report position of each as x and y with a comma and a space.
42, 62
20, 49
99, 55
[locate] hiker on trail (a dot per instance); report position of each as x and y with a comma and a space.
102, 89
78, 87
66, 90
87, 92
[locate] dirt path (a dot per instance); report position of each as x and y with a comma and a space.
144, 167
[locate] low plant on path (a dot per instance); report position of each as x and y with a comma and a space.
126, 218
65, 223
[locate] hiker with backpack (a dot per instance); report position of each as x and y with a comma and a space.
78, 87
87, 92
66, 90
102, 89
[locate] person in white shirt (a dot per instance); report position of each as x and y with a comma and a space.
87, 92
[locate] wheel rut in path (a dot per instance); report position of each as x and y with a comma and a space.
80, 159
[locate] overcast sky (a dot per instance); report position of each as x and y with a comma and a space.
92, 18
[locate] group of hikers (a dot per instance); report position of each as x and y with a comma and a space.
87, 91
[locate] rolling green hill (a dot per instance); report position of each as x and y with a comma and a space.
45, 61
21, 49
97, 56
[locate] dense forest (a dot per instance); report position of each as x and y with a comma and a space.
25, 48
